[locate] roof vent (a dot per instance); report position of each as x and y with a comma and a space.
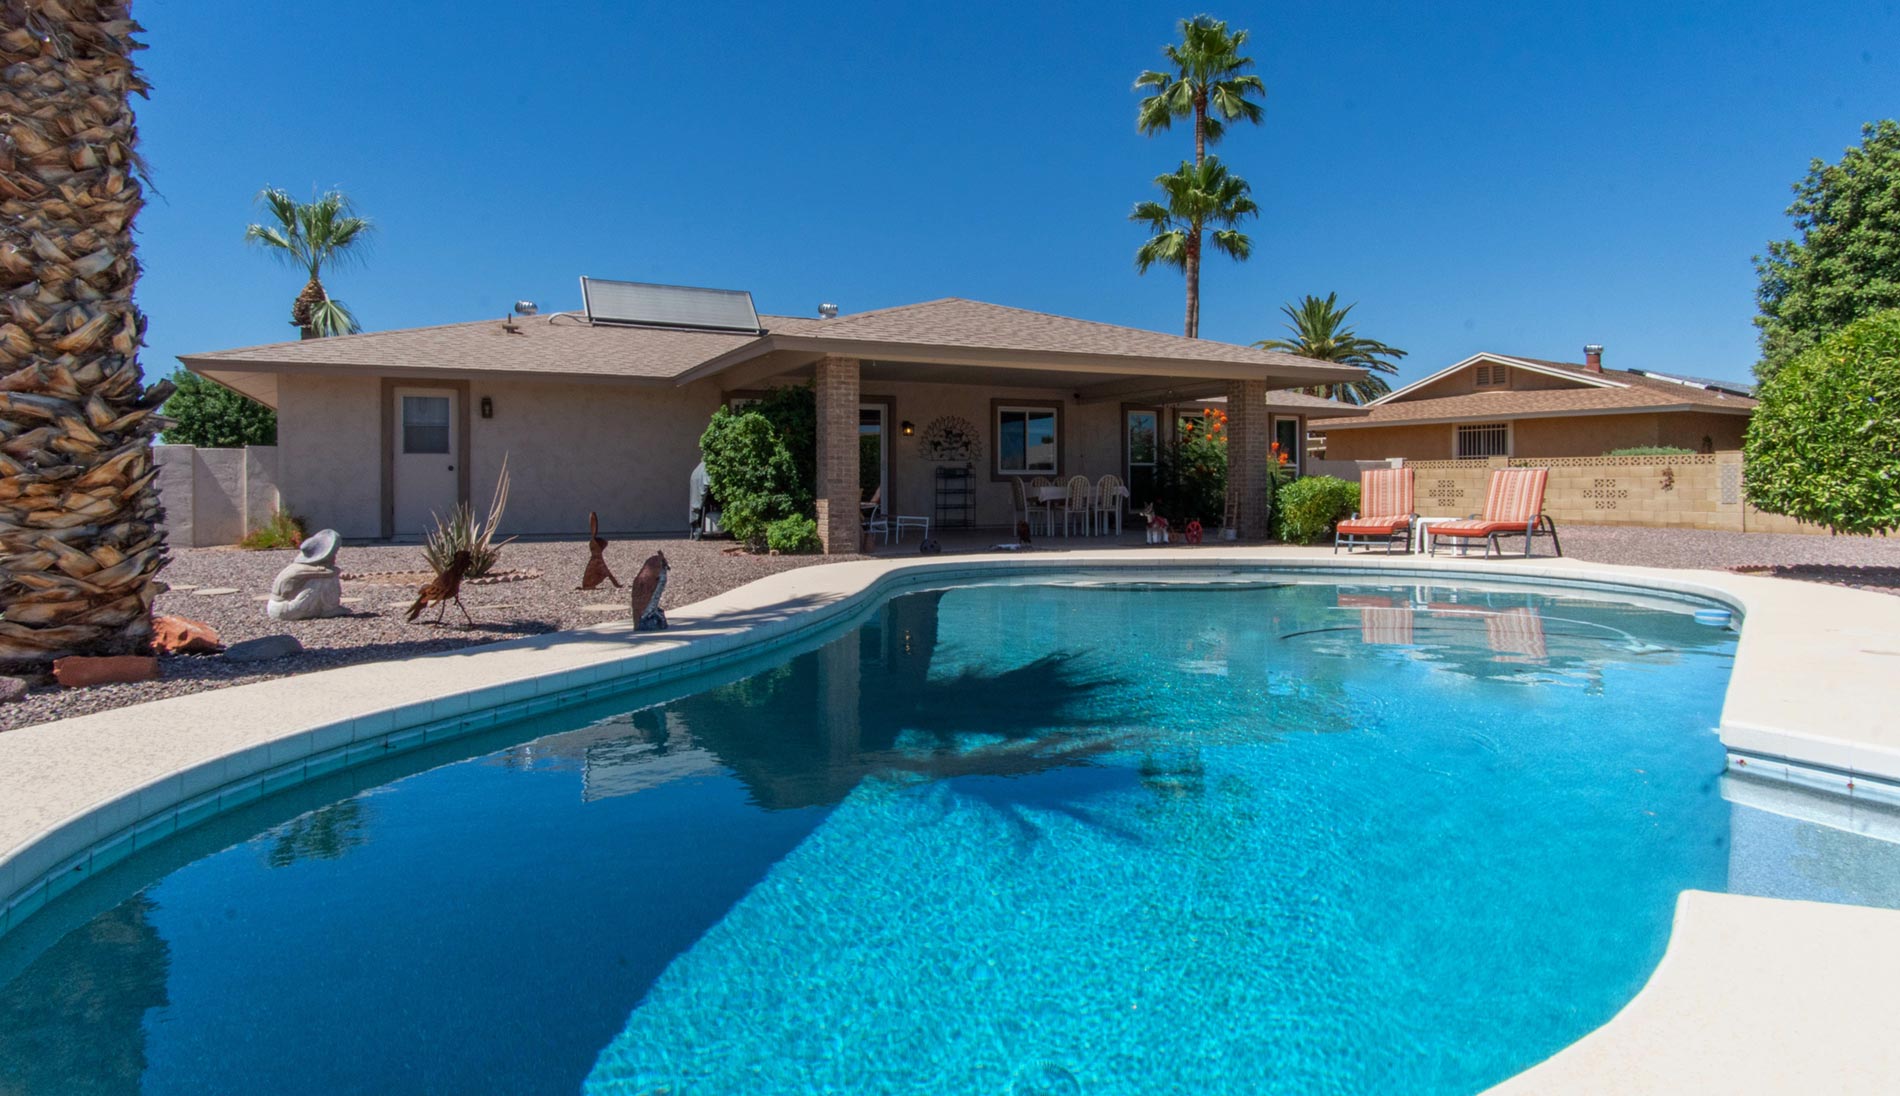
827, 311
640, 304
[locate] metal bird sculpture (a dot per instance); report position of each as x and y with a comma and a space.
597, 568
647, 586
445, 588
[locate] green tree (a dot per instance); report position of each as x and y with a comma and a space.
1824, 446
1210, 83
1198, 197
309, 236
206, 413
1320, 331
1844, 261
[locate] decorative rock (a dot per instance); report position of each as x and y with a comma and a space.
11, 689
182, 636
263, 649
310, 588
75, 671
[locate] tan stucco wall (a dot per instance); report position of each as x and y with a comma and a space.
1688, 430
1464, 383
621, 450
1571, 436
329, 451
1379, 442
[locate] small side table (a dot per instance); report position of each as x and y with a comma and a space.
1421, 530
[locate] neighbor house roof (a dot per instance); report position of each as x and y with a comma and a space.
951, 330
1301, 403
1610, 392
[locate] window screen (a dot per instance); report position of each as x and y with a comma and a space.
1490, 439
425, 424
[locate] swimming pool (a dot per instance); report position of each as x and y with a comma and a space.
1066, 835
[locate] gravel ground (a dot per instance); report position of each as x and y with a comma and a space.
377, 630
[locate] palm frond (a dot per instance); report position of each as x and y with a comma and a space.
1210, 67
1320, 332
333, 317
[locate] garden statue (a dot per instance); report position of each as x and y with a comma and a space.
597, 568
647, 587
1157, 525
311, 587
446, 587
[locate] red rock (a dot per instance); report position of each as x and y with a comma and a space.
75, 671
184, 636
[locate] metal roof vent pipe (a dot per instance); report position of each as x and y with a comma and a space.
1593, 358
827, 311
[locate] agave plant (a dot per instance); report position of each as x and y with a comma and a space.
460, 532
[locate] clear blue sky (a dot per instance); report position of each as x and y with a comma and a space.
1522, 178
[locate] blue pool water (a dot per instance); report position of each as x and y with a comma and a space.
1066, 837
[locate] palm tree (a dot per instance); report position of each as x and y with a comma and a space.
1199, 197
80, 539
1209, 71
307, 235
1320, 331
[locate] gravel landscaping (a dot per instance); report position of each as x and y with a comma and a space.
376, 629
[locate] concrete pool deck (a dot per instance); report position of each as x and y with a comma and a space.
1815, 683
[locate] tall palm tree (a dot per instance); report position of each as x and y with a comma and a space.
308, 235
80, 539
1320, 331
1198, 197
1210, 83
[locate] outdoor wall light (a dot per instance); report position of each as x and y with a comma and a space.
909, 428
488, 408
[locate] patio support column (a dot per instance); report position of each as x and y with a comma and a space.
1248, 436
835, 382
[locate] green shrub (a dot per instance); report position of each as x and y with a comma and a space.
762, 462
1191, 480
793, 535
283, 530
1651, 451
1308, 508
1824, 446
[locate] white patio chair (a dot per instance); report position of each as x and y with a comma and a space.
1027, 509
875, 519
1109, 494
1036, 484
1078, 506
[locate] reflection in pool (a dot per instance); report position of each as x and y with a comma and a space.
1055, 837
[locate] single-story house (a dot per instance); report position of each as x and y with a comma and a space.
1495, 405
602, 409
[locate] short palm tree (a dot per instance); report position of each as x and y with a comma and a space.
309, 235
80, 539
1320, 332
1210, 83
1198, 198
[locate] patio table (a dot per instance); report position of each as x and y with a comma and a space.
1421, 532
1060, 493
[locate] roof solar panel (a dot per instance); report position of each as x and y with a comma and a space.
647, 305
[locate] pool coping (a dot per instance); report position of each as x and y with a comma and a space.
1806, 702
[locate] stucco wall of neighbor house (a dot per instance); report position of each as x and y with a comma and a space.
1429, 442
1583, 435
623, 451
1565, 436
1465, 382
1090, 445
1687, 430
214, 496
329, 447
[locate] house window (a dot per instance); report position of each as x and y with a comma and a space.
1491, 376
425, 424
1026, 440
1485, 439
1287, 433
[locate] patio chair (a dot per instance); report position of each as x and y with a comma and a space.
875, 519
1029, 508
1079, 505
1513, 507
1385, 500
1109, 495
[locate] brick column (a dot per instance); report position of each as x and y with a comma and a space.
1248, 435
835, 380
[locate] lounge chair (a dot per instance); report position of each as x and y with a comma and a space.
1513, 507
1385, 497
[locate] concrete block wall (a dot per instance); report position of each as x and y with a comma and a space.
215, 496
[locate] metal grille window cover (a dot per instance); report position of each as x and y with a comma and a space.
1489, 439
425, 424
644, 304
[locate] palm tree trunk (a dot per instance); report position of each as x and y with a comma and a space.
80, 539
1193, 270
1200, 129
305, 305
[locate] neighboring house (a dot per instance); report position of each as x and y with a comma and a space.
1493, 405
602, 410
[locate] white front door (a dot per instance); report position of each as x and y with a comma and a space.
425, 446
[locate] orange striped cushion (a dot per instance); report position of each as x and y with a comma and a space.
1385, 491
1516, 495
1368, 526
1475, 527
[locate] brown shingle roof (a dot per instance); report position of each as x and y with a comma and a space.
562, 344
1634, 393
